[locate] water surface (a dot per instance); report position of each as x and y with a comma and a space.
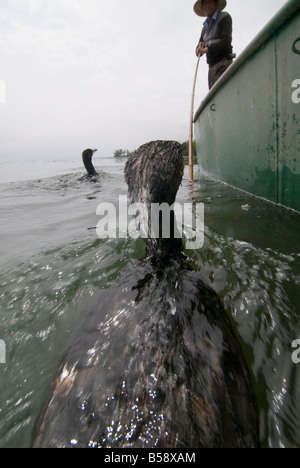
53, 266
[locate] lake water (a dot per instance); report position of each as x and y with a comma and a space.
53, 265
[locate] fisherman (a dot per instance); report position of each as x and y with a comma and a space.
216, 37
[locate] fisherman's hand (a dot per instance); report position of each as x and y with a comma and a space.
201, 49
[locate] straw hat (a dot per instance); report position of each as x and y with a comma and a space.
198, 7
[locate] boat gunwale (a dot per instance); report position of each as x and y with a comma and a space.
283, 15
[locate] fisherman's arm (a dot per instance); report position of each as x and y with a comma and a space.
201, 49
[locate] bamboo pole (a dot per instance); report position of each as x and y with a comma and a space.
191, 156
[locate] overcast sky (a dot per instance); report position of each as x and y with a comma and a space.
106, 74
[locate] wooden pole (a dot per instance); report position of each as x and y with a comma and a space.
191, 156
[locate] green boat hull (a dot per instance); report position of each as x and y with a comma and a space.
248, 127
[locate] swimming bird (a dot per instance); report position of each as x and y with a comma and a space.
156, 364
87, 161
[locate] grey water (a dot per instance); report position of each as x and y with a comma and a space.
53, 267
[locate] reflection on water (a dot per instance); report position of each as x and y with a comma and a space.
252, 258
54, 267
